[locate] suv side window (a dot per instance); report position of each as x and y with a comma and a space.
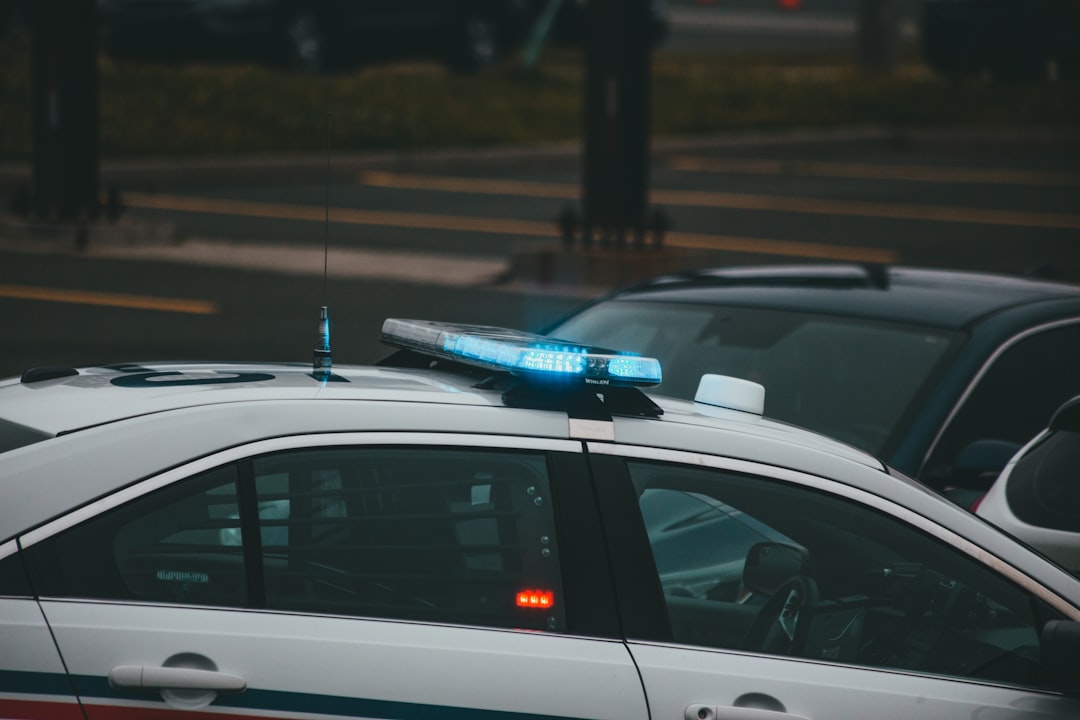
1016, 397
438, 534
752, 564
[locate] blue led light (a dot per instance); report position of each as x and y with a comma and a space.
634, 367
521, 353
553, 361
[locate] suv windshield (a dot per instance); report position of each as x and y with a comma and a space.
846, 377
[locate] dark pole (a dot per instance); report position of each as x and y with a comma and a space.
617, 99
876, 31
65, 109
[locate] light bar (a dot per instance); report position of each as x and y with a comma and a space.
521, 353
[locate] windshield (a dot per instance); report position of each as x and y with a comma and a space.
845, 377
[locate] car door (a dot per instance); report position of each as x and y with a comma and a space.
354, 575
33, 683
793, 596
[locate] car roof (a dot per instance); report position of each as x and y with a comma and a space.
96, 396
109, 426
93, 396
941, 298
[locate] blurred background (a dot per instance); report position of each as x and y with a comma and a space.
194, 178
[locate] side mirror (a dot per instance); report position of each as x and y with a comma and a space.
769, 565
1059, 657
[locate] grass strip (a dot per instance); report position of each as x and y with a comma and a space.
196, 109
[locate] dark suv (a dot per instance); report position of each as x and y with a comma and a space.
315, 35
943, 374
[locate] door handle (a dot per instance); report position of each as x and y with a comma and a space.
727, 712
175, 678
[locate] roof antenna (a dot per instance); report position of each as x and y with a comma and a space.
321, 364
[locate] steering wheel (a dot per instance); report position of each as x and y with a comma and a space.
781, 624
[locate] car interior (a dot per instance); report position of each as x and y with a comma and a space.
849, 585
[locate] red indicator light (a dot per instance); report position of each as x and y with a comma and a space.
541, 599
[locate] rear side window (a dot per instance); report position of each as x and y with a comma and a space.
175, 545
13, 580
448, 535
1044, 486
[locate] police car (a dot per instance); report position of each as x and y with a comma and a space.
490, 525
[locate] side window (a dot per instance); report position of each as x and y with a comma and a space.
763, 566
1016, 397
13, 582
175, 545
445, 535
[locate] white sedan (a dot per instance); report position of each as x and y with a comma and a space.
490, 525
1037, 496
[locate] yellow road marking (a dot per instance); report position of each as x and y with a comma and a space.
349, 216
745, 201
522, 188
83, 297
866, 171
869, 209
529, 228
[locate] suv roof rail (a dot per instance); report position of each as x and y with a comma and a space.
867, 275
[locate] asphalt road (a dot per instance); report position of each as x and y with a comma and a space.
227, 261
1003, 203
